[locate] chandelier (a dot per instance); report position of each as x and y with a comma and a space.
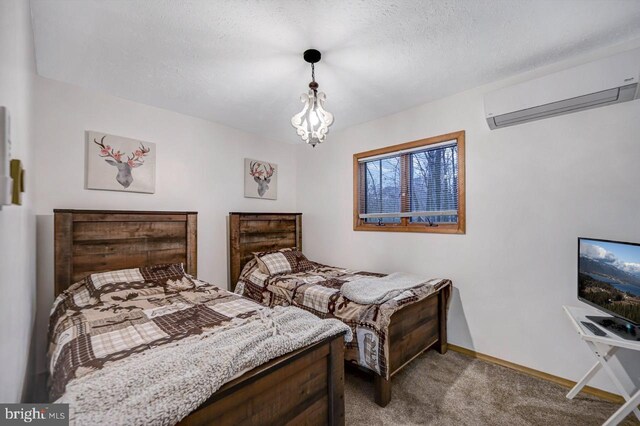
312, 123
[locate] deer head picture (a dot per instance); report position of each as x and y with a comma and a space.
260, 179
125, 155
114, 158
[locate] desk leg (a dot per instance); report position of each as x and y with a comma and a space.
603, 360
583, 382
624, 411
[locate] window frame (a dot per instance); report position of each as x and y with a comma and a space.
405, 224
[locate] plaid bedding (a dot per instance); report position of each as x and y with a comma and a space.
317, 290
282, 261
109, 316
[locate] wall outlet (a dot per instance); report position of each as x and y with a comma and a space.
6, 183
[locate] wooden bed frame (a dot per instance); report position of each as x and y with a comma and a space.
305, 386
413, 329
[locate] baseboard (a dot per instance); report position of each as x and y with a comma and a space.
608, 396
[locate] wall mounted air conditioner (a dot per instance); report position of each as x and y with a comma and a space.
604, 82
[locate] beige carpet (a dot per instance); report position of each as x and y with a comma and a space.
454, 389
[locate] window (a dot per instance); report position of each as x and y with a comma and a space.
412, 187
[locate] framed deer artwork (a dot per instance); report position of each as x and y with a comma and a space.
115, 163
260, 179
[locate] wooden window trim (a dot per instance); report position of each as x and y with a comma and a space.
405, 225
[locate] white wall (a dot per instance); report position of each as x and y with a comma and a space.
531, 191
17, 225
200, 167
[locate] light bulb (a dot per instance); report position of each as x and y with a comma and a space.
313, 118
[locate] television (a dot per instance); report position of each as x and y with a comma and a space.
609, 280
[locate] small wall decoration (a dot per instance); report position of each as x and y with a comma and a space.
115, 163
17, 174
260, 179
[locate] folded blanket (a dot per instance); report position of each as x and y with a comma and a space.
374, 290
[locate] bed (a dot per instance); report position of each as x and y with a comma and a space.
398, 330
302, 386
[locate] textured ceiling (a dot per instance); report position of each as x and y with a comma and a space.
240, 62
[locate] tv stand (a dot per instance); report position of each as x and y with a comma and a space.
617, 326
604, 348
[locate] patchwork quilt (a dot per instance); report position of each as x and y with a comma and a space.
317, 290
114, 316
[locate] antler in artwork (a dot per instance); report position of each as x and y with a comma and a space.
136, 159
269, 172
254, 170
107, 152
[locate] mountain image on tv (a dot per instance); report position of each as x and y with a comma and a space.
609, 277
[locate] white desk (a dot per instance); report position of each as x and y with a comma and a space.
603, 347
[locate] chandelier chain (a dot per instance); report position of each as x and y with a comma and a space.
313, 73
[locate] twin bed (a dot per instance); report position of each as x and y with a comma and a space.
138, 329
386, 337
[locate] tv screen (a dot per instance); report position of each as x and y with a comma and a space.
609, 277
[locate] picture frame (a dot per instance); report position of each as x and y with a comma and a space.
116, 163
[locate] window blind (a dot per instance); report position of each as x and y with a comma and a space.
408, 151
420, 184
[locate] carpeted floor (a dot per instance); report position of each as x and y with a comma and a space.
454, 389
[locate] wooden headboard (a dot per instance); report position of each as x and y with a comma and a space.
251, 232
90, 241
